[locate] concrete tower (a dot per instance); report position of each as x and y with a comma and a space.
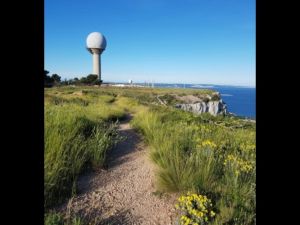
96, 44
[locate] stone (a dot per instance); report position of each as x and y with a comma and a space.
213, 107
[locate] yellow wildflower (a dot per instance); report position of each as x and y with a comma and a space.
196, 208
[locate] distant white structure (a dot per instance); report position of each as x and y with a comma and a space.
119, 85
96, 44
130, 81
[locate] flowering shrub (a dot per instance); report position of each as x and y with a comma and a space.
247, 147
238, 165
208, 143
205, 144
196, 209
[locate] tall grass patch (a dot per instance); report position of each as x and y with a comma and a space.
203, 155
77, 136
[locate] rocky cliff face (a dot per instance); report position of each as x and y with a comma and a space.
213, 107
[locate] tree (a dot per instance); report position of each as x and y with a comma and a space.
48, 81
74, 81
46, 77
56, 78
64, 82
83, 80
91, 78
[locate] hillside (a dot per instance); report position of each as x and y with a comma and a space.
125, 155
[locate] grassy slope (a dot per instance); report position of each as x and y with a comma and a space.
78, 132
205, 154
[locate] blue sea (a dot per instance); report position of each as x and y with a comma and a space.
240, 100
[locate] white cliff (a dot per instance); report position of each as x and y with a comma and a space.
213, 107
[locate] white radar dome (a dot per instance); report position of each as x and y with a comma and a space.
96, 40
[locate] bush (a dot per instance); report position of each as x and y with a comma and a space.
215, 97
200, 154
195, 209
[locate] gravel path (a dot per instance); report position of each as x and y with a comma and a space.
125, 192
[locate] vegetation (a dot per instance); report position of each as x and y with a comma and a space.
78, 132
196, 209
204, 154
49, 81
54, 219
207, 155
91, 79
55, 80
57, 219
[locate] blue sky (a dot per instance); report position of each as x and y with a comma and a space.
168, 41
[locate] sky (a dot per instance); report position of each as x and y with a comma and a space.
162, 41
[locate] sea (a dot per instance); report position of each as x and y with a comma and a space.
240, 100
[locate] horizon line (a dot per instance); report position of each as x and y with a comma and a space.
208, 84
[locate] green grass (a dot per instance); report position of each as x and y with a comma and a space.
141, 95
211, 155
58, 219
77, 136
54, 219
190, 151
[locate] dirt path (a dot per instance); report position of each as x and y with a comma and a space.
124, 193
